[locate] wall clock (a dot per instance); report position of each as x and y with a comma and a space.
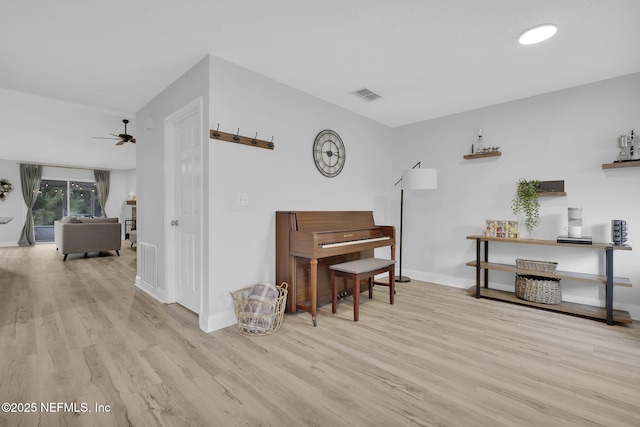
329, 153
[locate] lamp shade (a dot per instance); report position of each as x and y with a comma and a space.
420, 179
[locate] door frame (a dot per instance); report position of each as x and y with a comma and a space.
192, 108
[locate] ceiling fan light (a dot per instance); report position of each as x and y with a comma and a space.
538, 34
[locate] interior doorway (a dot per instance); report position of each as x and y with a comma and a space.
184, 210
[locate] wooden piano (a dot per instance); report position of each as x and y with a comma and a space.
308, 242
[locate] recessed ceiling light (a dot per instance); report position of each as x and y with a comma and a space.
538, 34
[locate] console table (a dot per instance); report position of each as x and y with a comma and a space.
607, 313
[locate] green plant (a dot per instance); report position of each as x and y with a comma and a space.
526, 202
48, 206
5, 188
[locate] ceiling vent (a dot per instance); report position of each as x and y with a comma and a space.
366, 95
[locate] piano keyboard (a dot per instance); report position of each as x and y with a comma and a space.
353, 242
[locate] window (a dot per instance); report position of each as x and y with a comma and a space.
51, 202
61, 198
84, 200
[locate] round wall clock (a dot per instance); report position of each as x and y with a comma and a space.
328, 153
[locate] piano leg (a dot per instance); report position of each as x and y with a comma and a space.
356, 297
314, 290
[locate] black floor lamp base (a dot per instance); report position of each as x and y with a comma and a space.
402, 279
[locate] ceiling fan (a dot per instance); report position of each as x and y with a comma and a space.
121, 138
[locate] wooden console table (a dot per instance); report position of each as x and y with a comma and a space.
607, 313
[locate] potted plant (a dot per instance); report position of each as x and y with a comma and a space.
526, 202
5, 188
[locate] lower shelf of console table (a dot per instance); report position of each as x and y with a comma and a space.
603, 313
582, 310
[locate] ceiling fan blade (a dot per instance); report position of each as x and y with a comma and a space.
121, 138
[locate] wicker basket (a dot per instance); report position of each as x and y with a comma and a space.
529, 264
262, 317
538, 289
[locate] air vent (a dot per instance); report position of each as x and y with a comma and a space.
148, 271
366, 94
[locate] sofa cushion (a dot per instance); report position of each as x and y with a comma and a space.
85, 220
70, 220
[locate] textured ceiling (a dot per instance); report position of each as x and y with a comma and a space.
426, 58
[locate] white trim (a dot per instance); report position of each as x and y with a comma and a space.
156, 293
218, 321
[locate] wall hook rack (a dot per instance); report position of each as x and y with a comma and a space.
239, 139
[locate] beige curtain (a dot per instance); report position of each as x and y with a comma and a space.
30, 179
102, 186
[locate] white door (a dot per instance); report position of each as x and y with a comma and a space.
186, 242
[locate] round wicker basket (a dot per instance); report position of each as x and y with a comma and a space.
261, 317
544, 290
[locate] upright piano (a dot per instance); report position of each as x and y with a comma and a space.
308, 242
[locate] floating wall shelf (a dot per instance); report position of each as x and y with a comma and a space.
552, 194
630, 164
552, 189
481, 155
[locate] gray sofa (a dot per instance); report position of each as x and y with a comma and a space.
80, 234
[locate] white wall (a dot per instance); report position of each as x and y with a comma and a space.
565, 135
150, 179
45, 131
242, 239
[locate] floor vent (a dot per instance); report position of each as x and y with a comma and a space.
366, 94
148, 264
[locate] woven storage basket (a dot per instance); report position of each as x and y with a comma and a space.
529, 264
262, 317
538, 289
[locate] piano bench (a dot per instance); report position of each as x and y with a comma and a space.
358, 270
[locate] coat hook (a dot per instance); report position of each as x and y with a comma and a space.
253, 141
237, 138
270, 145
217, 133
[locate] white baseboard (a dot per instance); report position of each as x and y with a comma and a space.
153, 292
8, 244
457, 282
218, 321
207, 323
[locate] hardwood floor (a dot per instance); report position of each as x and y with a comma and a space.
80, 333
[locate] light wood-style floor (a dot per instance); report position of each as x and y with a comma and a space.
79, 332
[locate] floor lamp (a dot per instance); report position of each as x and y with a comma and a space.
415, 178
